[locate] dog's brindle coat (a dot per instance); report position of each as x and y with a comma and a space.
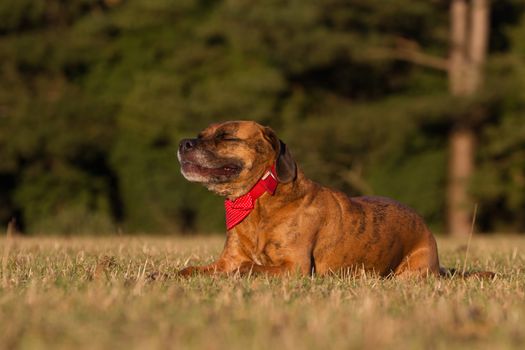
304, 226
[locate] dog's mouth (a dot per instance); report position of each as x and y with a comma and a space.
225, 171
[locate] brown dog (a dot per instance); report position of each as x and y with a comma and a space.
302, 226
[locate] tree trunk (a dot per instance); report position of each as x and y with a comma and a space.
467, 56
458, 49
460, 168
479, 31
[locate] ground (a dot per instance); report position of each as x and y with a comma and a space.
103, 293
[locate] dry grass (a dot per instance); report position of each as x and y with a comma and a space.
98, 293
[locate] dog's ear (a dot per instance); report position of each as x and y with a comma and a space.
285, 166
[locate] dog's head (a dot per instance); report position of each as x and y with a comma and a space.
229, 158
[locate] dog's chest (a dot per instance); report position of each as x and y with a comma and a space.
263, 252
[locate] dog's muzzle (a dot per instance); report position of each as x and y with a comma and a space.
200, 165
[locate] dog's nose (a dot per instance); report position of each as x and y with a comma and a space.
187, 144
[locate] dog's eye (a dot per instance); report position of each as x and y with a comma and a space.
223, 136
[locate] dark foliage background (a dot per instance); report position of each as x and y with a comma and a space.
96, 94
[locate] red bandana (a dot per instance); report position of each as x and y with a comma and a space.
238, 209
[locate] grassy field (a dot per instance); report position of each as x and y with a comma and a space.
88, 293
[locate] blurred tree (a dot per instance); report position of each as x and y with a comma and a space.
54, 135
469, 39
